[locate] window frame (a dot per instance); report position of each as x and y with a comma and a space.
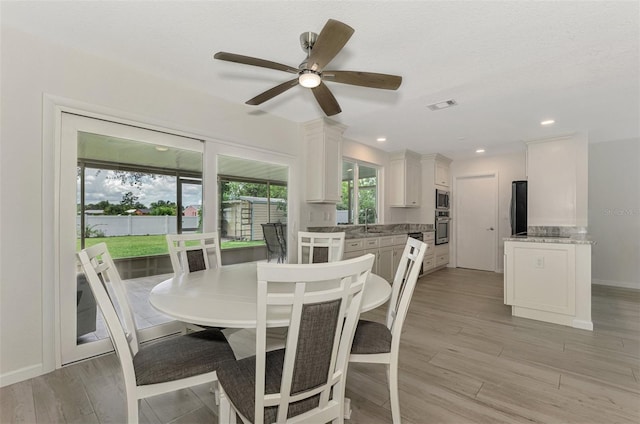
355, 187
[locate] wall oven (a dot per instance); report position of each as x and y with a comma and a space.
443, 227
442, 199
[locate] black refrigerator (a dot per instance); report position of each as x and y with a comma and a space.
518, 207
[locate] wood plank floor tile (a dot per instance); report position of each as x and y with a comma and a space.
463, 359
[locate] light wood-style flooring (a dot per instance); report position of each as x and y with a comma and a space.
464, 359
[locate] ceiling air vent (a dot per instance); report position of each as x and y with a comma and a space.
442, 105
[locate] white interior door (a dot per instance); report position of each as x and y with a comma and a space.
476, 222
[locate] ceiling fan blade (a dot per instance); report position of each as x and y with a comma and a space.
364, 79
254, 61
271, 93
330, 41
326, 100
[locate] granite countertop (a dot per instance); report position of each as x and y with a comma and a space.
565, 239
375, 230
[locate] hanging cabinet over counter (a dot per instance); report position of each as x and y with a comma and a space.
405, 179
323, 142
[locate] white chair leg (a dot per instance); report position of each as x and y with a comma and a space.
392, 375
226, 414
132, 410
347, 408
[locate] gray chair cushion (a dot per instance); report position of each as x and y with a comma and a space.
238, 379
371, 337
318, 325
181, 357
195, 259
320, 255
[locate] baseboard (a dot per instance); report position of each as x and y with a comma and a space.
585, 325
20, 375
621, 284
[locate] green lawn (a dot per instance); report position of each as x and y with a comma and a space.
132, 246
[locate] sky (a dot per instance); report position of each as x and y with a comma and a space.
104, 185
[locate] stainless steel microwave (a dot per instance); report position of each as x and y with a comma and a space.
442, 199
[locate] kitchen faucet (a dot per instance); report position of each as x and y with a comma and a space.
366, 218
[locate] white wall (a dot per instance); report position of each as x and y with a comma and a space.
508, 167
614, 212
30, 68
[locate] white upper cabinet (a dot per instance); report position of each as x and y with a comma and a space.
323, 140
436, 171
405, 175
442, 173
557, 171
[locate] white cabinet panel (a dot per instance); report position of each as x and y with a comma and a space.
557, 171
405, 175
442, 174
323, 161
542, 277
549, 282
387, 251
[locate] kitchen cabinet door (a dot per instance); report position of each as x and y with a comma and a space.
323, 162
541, 276
442, 174
405, 175
557, 172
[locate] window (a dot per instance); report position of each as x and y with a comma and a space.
359, 194
252, 193
132, 206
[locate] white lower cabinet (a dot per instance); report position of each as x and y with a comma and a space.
441, 253
429, 261
549, 282
385, 249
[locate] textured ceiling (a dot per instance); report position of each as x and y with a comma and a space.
508, 64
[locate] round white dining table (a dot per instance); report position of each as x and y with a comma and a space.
226, 297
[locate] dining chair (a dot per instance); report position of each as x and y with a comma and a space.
160, 367
377, 343
194, 251
305, 381
320, 247
273, 239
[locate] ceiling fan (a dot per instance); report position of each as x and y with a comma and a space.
321, 49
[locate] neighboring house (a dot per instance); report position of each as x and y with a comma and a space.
142, 211
191, 211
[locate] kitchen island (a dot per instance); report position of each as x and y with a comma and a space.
548, 278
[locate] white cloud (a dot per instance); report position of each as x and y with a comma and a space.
105, 185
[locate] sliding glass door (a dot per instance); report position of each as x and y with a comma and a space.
128, 187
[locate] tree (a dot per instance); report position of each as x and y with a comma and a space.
130, 201
164, 207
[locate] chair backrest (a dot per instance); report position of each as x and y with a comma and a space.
274, 239
320, 247
194, 251
322, 322
403, 285
105, 283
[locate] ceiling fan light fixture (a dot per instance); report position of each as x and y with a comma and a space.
309, 79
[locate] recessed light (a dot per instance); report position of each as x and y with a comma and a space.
381, 139
162, 148
480, 150
547, 122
